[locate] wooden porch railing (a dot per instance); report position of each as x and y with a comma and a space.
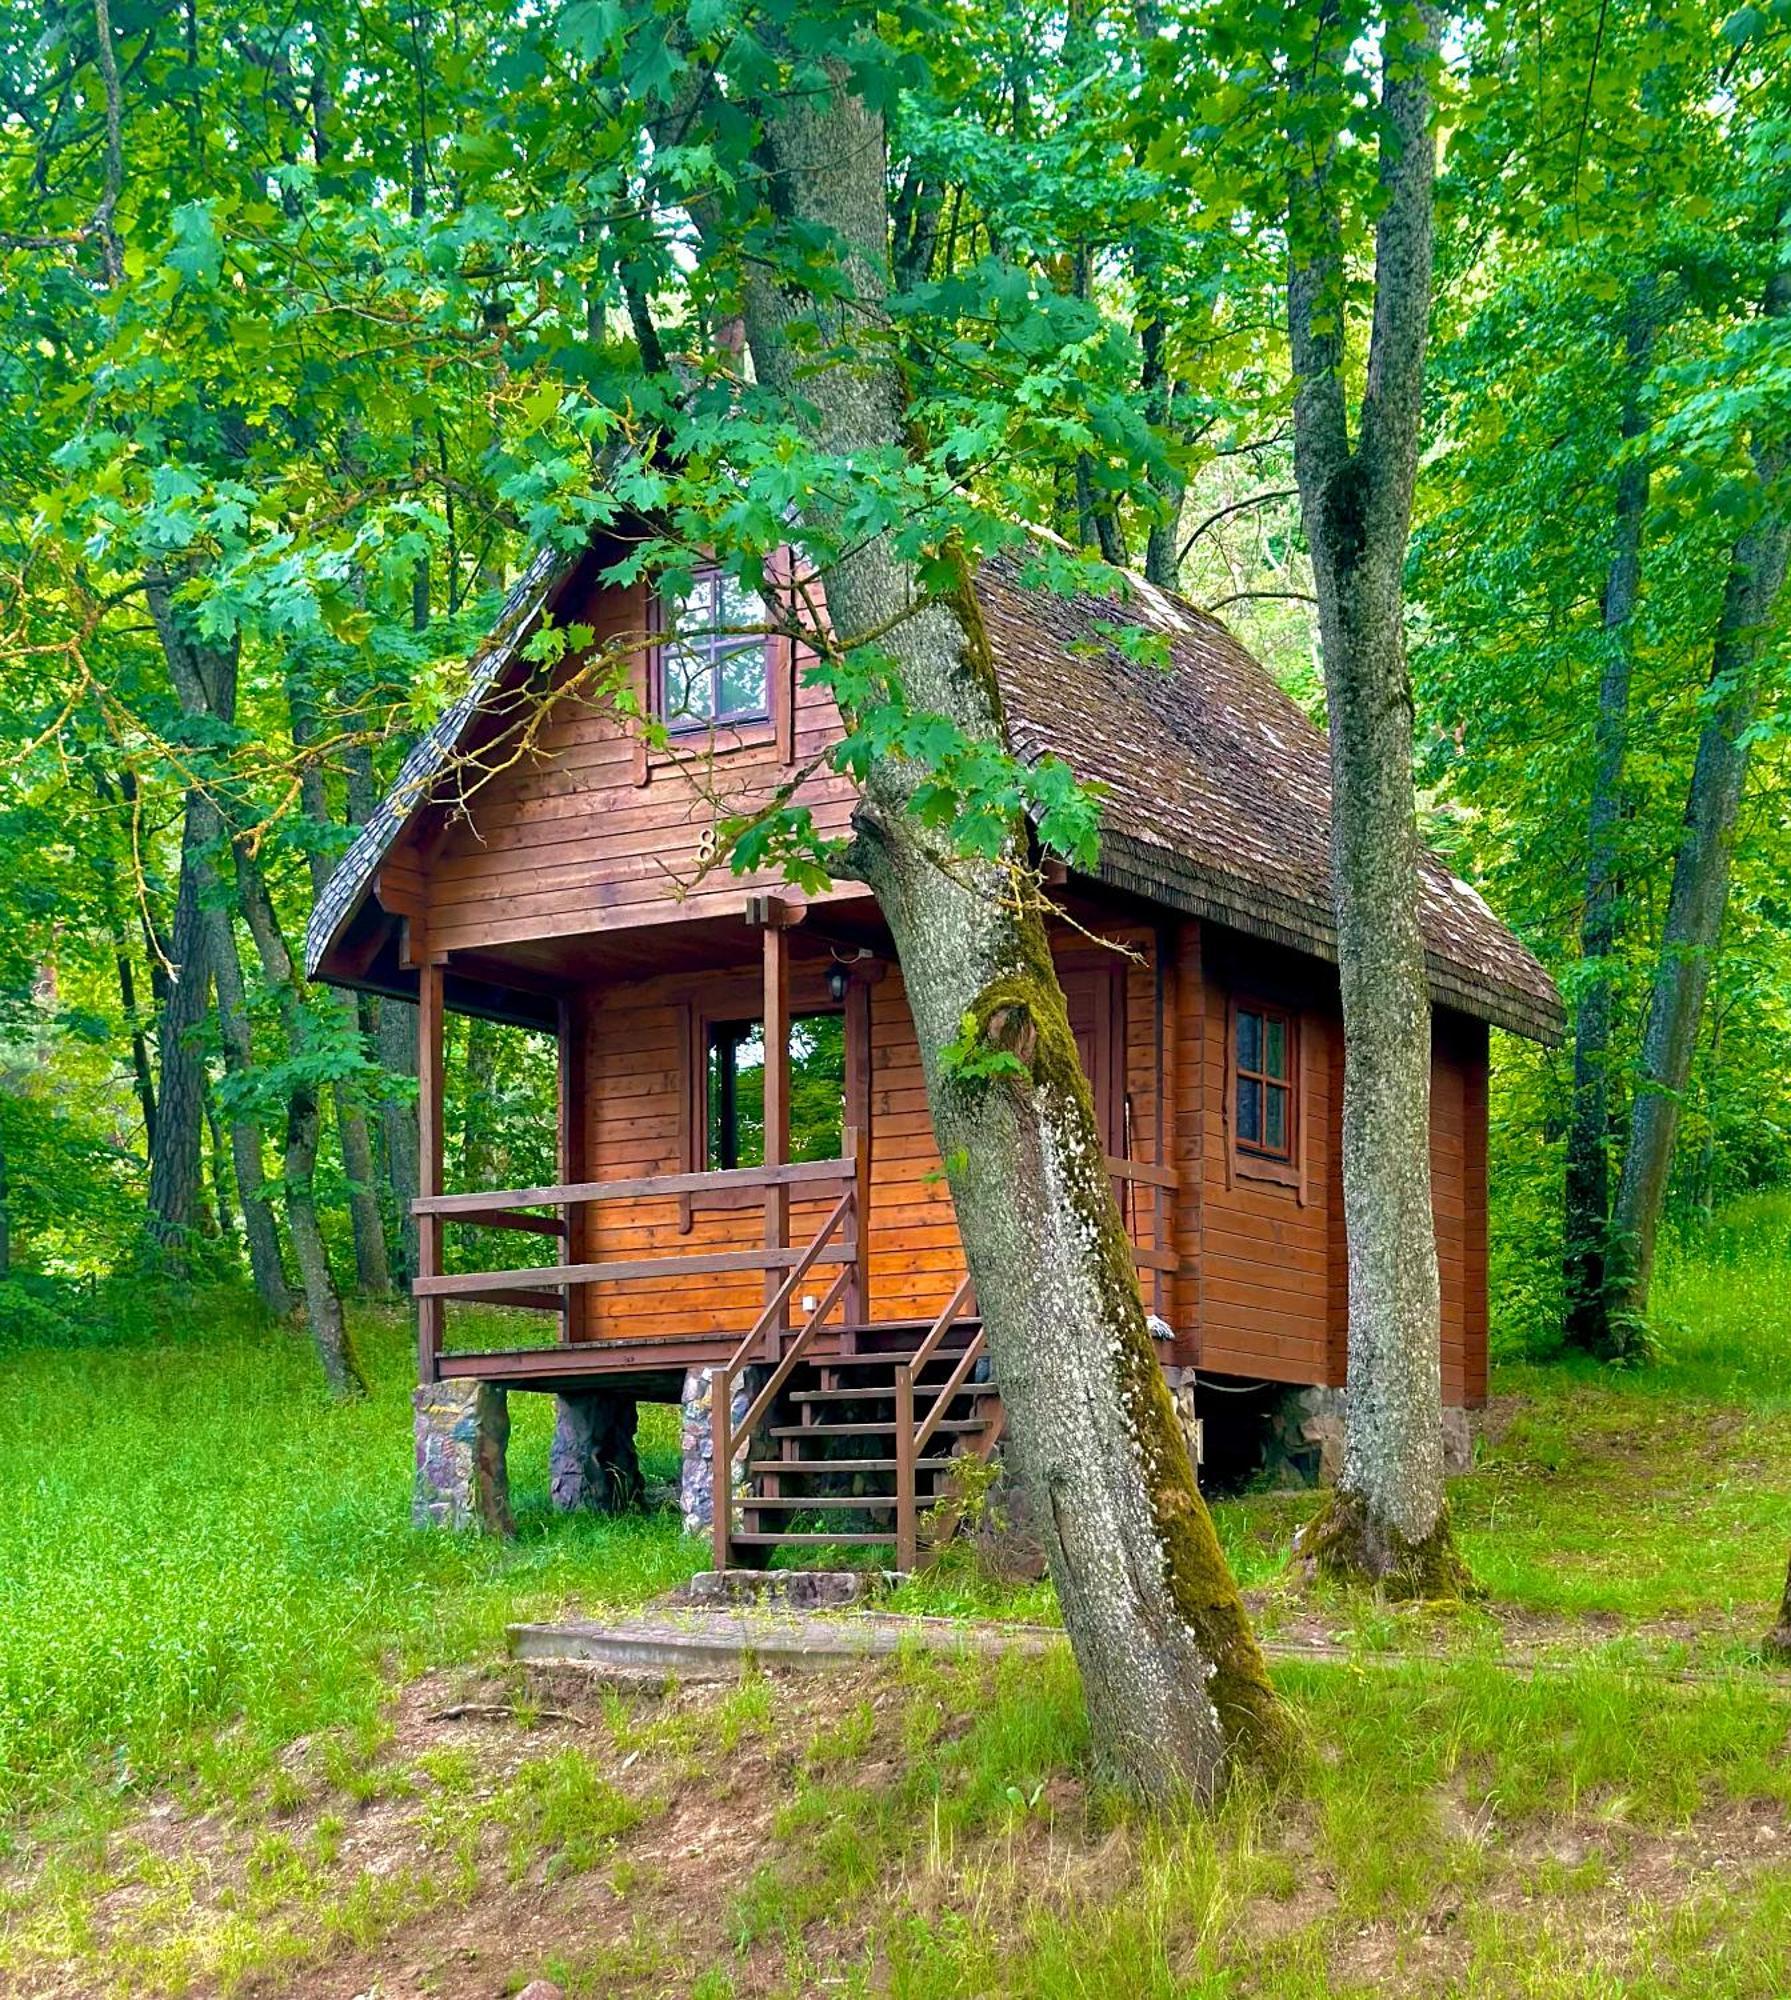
911, 1440
728, 1440
510, 1208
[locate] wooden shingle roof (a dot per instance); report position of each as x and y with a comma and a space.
1217, 789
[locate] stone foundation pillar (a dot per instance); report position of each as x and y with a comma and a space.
593, 1462
1307, 1434
462, 1431
696, 1478
1180, 1383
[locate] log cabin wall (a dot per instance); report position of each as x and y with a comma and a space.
1271, 1269
591, 833
641, 1045
587, 830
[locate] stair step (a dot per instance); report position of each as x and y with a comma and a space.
839, 1503
927, 1463
923, 1391
939, 1356
764, 1541
872, 1430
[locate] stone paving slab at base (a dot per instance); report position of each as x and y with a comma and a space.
719, 1644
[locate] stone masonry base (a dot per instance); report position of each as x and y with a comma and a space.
462, 1429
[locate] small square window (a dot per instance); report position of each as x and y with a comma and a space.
1263, 1083
715, 657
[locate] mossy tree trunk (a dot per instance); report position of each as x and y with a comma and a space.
1388, 1521
1175, 1684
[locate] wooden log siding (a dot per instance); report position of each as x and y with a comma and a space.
568, 841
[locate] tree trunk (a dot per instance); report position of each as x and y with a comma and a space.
204, 681
1699, 896
180, 1106
1778, 1640
393, 1031
142, 1075
323, 1305
373, 1275
260, 1230
1387, 1521
1174, 1681
396, 1033
1587, 1189
223, 1222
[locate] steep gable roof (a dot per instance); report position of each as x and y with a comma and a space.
1217, 787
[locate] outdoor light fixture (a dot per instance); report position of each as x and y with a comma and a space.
838, 979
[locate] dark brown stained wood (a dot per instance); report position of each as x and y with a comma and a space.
429, 1160
574, 1131
775, 1015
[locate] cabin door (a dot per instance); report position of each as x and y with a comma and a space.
1096, 997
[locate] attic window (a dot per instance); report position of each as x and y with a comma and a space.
715, 657
1262, 1082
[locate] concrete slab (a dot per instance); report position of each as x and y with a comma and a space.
719, 1644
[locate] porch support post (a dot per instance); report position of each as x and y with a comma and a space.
430, 1311
574, 1107
777, 1100
858, 1127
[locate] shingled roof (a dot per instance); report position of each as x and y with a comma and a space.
1217, 787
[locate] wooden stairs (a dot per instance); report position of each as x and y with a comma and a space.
851, 1448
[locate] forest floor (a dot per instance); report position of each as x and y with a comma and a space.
257, 1735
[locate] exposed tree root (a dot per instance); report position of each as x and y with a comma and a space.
1344, 1543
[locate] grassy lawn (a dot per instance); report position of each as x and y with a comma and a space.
255, 1733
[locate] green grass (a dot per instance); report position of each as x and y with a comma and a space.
192, 1535
203, 1562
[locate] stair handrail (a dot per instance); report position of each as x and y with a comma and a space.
727, 1441
954, 1384
948, 1318
911, 1441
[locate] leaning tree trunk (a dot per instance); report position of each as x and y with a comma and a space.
304, 1124
1174, 1681
180, 1104
1387, 1520
1697, 902
1587, 1180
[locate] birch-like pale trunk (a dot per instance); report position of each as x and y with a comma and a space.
1174, 1681
1587, 1180
1387, 1520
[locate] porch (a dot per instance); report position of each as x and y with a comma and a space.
815, 1310
649, 1275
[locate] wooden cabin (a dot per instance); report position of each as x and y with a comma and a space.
746, 1177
